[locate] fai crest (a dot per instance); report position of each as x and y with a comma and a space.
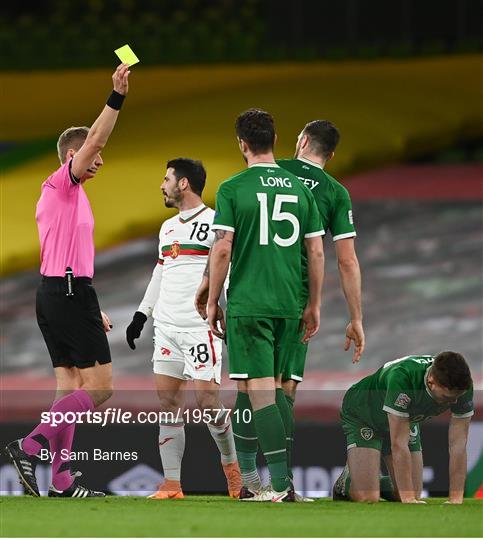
403, 401
367, 433
174, 250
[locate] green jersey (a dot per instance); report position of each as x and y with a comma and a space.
271, 213
332, 198
400, 387
333, 202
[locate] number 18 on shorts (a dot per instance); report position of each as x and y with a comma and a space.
187, 355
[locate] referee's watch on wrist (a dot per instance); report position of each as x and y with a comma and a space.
133, 331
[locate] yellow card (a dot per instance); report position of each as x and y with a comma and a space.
126, 55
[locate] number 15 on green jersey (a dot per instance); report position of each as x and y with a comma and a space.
271, 213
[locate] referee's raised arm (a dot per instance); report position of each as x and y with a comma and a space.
102, 128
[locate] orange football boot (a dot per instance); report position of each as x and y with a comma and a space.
233, 479
169, 489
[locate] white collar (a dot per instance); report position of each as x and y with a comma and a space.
309, 162
186, 214
263, 165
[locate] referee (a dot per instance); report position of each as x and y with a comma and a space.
68, 313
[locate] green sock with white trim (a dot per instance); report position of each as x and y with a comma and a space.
290, 430
246, 441
271, 437
287, 419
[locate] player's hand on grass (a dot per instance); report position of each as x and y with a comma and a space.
120, 79
355, 332
310, 322
216, 320
106, 322
133, 331
201, 297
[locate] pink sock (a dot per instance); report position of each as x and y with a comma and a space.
78, 401
61, 476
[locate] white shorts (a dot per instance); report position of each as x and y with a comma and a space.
187, 355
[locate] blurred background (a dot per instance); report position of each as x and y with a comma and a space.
402, 80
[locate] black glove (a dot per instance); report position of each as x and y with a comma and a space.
133, 331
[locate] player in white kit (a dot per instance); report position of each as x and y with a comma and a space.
184, 347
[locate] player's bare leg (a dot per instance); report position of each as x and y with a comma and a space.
290, 388
171, 392
364, 466
97, 382
68, 379
220, 428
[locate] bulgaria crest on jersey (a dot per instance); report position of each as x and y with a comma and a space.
174, 250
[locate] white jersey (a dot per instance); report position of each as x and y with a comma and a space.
184, 244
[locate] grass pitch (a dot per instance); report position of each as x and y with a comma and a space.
220, 516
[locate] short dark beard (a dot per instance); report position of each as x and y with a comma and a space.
173, 202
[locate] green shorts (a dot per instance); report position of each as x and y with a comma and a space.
360, 435
258, 346
296, 357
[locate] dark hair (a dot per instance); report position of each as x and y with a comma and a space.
451, 371
323, 137
257, 129
191, 169
72, 137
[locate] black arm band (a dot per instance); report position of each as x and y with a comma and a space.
115, 100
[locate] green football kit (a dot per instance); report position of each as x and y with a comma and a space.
271, 213
398, 387
335, 208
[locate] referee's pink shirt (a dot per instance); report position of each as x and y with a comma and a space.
66, 226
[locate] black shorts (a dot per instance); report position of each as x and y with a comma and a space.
71, 325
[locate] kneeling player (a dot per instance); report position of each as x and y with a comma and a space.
184, 347
381, 414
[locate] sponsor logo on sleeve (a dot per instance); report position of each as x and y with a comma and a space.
367, 433
165, 351
351, 217
402, 401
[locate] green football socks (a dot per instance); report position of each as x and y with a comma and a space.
271, 437
285, 406
246, 441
